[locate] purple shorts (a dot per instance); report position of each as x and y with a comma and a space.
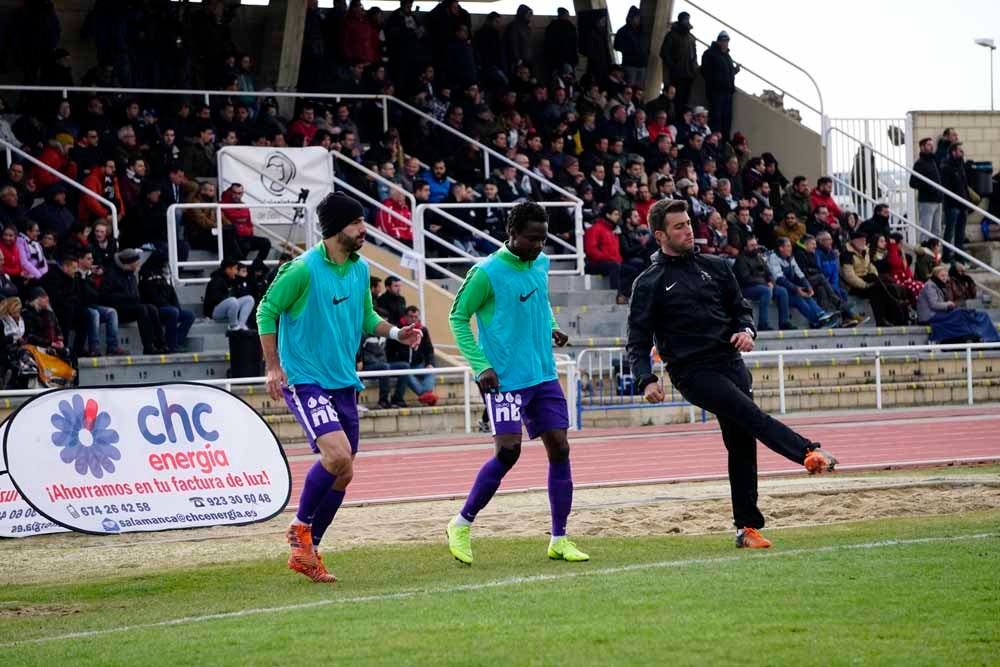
541, 408
320, 411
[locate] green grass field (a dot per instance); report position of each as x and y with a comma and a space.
900, 592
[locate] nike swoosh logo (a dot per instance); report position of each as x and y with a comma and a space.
669, 287
342, 299
525, 297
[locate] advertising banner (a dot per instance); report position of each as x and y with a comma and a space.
277, 176
145, 458
17, 518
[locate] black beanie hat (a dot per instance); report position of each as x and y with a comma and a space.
335, 212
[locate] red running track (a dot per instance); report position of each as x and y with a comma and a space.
401, 470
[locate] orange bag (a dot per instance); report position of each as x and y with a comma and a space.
53, 371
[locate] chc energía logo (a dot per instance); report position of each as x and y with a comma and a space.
84, 437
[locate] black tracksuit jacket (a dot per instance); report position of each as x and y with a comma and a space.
690, 306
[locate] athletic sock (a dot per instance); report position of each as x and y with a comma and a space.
560, 496
486, 484
460, 520
318, 483
325, 512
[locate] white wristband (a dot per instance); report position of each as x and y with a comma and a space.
394, 333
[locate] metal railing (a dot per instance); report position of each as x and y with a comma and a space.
576, 254
866, 171
385, 100
172, 241
84, 191
820, 110
903, 219
605, 382
609, 384
567, 367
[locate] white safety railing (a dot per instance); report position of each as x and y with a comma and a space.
573, 252
906, 222
14, 150
606, 382
565, 366
384, 100
854, 161
172, 240
817, 107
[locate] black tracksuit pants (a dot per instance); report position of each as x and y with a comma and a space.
725, 388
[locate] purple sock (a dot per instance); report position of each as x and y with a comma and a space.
324, 514
486, 484
318, 483
560, 496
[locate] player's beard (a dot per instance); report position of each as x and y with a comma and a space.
682, 248
350, 244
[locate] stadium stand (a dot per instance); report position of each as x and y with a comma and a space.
581, 128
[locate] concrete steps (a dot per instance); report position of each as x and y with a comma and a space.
95, 371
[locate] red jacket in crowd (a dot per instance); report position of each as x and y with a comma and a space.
896, 261
600, 243
643, 208
392, 225
238, 217
91, 208
11, 259
306, 130
359, 39
53, 156
817, 198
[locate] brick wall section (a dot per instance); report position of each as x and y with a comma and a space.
979, 131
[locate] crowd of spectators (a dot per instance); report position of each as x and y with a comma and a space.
589, 132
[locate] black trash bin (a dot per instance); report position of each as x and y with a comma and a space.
980, 177
246, 359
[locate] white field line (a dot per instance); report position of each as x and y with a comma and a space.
499, 583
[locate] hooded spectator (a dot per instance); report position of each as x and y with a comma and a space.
462, 69
678, 53
595, 47
517, 38
488, 44
561, 42
629, 42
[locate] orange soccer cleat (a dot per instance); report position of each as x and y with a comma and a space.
303, 556
749, 538
320, 575
819, 461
